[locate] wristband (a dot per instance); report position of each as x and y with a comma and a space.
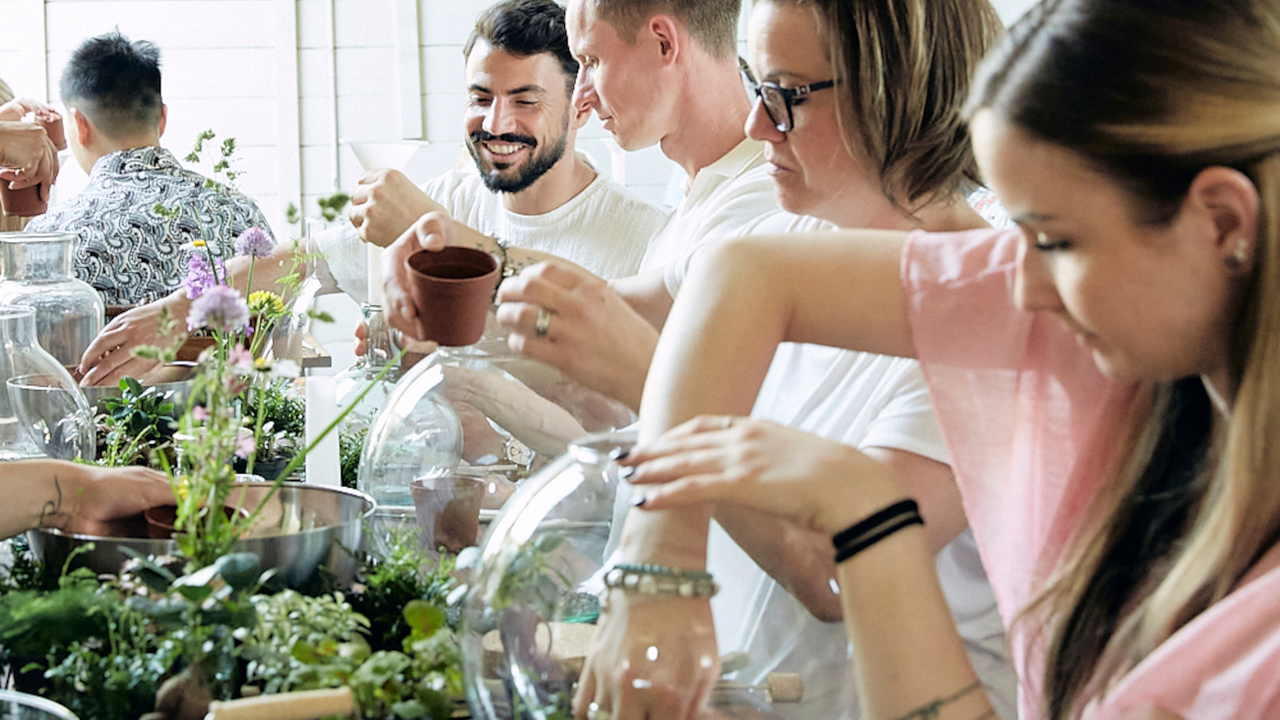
659, 580
878, 526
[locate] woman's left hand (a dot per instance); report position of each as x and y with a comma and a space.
817, 483
91, 497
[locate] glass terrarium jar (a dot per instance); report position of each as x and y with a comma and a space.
535, 589
517, 414
36, 270
42, 412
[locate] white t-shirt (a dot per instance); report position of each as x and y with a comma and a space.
605, 228
866, 401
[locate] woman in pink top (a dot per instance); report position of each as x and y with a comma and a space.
1106, 377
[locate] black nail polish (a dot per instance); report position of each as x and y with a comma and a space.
639, 500
626, 473
620, 453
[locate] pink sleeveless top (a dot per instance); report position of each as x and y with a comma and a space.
1031, 424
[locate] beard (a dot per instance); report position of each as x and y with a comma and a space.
539, 162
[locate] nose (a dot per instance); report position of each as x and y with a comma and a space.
1033, 287
760, 126
584, 90
499, 119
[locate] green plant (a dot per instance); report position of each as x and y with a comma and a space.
330, 208
404, 574
350, 445
139, 422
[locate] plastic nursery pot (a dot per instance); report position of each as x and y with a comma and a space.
52, 124
22, 203
452, 290
448, 510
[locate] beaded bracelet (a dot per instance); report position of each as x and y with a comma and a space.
878, 526
648, 579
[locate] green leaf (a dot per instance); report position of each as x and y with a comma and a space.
424, 618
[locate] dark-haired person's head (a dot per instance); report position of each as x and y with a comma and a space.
114, 84
1137, 145
519, 120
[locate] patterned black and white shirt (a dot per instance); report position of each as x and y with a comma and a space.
131, 253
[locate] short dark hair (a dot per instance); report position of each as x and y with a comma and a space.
116, 83
525, 28
713, 23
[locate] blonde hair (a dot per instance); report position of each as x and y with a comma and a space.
1150, 93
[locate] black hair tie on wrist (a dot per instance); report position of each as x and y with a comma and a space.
878, 526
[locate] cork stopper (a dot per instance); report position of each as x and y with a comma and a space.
782, 687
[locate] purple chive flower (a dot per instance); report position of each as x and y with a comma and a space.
254, 242
219, 308
200, 276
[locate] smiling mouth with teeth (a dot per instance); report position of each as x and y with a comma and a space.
502, 149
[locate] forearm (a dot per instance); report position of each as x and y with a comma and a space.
647, 294
800, 560
907, 653
41, 493
266, 272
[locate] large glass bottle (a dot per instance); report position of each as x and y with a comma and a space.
368, 372
42, 412
36, 270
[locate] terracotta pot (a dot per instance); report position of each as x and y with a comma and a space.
452, 290
448, 510
22, 203
193, 346
161, 520
52, 124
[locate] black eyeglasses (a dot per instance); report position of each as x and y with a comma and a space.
777, 100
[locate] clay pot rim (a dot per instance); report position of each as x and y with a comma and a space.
465, 253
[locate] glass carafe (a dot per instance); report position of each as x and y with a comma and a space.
42, 412
36, 270
380, 351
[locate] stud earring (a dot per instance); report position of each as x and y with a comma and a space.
1240, 256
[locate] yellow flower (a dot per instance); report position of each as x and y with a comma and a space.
265, 302
197, 243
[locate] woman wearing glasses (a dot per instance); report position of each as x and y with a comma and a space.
1104, 376
863, 137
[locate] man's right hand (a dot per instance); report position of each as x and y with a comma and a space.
29, 157
385, 204
110, 356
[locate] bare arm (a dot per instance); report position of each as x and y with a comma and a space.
74, 497
109, 357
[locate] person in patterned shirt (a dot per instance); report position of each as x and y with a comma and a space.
127, 250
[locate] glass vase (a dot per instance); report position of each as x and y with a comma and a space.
380, 351
42, 412
36, 270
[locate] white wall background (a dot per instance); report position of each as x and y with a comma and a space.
291, 79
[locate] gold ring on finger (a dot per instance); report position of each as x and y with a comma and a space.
543, 322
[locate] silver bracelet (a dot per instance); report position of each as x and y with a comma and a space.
659, 580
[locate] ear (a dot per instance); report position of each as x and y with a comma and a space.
164, 119
1227, 200
667, 31
84, 127
581, 114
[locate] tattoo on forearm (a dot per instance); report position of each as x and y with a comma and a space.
54, 506
932, 710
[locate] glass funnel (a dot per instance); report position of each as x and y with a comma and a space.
42, 412
36, 269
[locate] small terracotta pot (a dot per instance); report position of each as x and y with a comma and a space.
452, 290
52, 124
22, 203
161, 520
448, 510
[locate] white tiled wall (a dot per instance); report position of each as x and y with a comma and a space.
290, 79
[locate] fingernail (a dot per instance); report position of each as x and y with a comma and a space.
626, 473
620, 453
639, 500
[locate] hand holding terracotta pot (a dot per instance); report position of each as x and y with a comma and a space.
30, 162
452, 290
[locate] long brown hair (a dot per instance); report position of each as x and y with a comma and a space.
1150, 93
